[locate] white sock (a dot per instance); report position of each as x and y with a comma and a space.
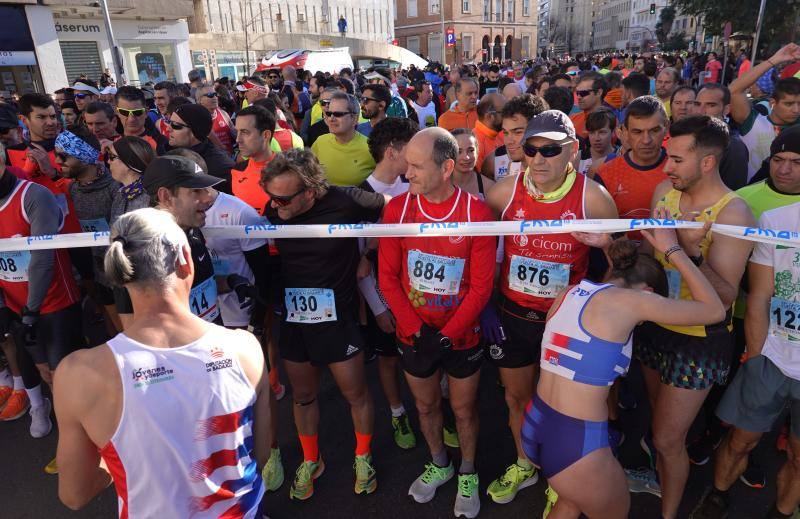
397, 412
19, 385
5, 377
35, 396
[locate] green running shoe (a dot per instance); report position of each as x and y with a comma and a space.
468, 499
504, 489
303, 484
424, 487
450, 435
552, 498
366, 482
273, 471
403, 435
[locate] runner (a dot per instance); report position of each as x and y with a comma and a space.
464, 114
759, 130
682, 103
633, 87
93, 191
179, 186
132, 112
387, 144
321, 323
190, 126
508, 158
254, 89
632, 177
667, 80
464, 174
102, 122
488, 130
682, 363
343, 153
424, 105
436, 288
193, 421
254, 126
164, 92
127, 159
221, 125
600, 125
591, 90
536, 268
375, 99
768, 380
586, 345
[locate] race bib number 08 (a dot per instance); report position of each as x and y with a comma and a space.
203, 300
784, 319
537, 277
14, 266
94, 225
434, 274
310, 305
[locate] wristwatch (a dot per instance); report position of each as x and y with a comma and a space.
445, 342
697, 260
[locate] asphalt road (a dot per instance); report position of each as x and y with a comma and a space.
27, 492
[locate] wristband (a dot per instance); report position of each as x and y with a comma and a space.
670, 251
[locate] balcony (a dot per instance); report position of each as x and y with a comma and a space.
131, 8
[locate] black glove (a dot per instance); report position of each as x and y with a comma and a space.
429, 340
6, 318
25, 330
247, 293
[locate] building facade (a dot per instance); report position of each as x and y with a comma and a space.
565, 26
611, 24
484, 30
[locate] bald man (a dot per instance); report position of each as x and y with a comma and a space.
488, 129
512, 90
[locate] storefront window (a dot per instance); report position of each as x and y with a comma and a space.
149, 62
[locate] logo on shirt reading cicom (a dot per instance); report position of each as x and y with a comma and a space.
150, 376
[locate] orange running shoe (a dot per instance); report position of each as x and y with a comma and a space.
5, 394
16, 406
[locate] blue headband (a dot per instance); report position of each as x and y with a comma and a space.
77, 147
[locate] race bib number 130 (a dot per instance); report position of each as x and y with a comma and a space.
310, 305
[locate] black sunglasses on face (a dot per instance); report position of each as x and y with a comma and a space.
325, 102
136, 112
177, 126
366, 99
336, 115
81, 96
584, 93
550, 150
283, 201
210, 95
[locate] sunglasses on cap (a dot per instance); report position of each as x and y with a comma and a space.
548, 151
210, 95
337, 115
177, 126
136, 112
283, 201
584, 93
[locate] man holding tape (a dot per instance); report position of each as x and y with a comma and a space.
436, 288
537, 267
681, 363
320, 326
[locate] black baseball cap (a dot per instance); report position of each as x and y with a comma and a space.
175, 171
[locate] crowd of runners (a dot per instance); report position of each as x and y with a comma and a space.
177, 409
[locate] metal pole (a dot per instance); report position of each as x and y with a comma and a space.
724, 61
246, 50
444, 38
119, 71
758, 30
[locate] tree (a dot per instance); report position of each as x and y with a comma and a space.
563, 33
675, 41
664, 25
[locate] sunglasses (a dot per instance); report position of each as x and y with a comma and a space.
325, 102
573, 72
272, 77
366, 99
584, 93
336, 115
210, 95
550, 150
177, 126
81, 96
283, 201
136, 112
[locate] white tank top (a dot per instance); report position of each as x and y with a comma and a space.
184, 443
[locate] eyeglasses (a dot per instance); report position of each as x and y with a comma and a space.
573, 72
550, 150
272, 77
110, 157
210, 95
584, 93
337, 115
365, 99
324, 102
136, 112
81, 96
283, 201
177, 126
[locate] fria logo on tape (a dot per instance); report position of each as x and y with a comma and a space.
651, 222
96, 236
771, 233
438, 225
539, 223
344, 227
259, 227
43, 237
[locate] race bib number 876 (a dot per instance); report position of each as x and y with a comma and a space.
537, 277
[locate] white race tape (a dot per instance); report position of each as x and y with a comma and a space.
99, 239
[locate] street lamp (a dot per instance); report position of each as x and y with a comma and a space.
440, 7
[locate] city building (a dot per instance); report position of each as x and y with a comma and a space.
565, 26
610, 27
488, 30
49, 44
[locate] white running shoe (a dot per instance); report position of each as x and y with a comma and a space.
40, 419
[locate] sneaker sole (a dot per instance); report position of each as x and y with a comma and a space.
405, 447
510, 497
427, 499
468, 515
17, 416
752, 485
280, 394
317, 473
49, 430
280, 484
645, 490
368, 490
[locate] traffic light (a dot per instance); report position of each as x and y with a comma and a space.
652, 8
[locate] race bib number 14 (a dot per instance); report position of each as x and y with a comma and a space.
203, 300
